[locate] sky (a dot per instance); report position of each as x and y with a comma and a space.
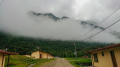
15, 19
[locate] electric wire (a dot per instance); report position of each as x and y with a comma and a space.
2, 2
101, 30
101, 21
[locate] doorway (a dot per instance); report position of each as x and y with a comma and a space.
113, 58
40, 55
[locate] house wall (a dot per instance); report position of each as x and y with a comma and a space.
106, 61
43, 55
1, 58
50, 56
46, 55
117, 56
35, 55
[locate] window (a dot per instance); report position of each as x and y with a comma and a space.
113, 58
102, 53
95, 57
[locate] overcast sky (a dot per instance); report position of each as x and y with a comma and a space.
14, 18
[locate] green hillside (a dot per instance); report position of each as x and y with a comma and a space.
25, 45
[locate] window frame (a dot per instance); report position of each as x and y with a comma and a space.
95, 57
102, 53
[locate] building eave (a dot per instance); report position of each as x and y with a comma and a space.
108, 47
9, 53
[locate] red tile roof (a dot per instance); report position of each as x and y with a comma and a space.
5, 52
111, 46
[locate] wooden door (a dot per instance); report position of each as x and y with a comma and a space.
40, 55
113, 58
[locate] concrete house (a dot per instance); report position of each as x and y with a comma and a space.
106, 57
27, 55
2, 57
41, 54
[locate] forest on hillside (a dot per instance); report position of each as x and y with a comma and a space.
26, 45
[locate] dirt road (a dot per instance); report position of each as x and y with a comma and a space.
60, 62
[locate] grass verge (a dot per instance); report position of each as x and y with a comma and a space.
74, 61
22, 61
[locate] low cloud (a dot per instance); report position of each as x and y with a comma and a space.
15, 19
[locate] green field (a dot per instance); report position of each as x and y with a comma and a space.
23, 61
74, 61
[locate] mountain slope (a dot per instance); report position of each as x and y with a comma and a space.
25, 45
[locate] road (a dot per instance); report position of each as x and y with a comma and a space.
60, 62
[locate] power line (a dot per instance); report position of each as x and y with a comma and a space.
2, 2
102, 30
101, 21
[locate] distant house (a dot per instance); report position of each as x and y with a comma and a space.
106, 57
41, 54
2, 57
27, 55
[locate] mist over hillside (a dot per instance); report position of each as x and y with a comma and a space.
49, 26
61, 20
26, 45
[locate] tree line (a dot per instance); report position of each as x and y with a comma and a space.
26, 45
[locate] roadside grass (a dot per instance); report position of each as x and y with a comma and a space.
22, 61
38, 64
75, 61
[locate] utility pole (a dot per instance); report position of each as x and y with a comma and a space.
66, 52
75, 49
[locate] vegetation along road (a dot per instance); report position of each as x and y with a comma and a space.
60, 62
